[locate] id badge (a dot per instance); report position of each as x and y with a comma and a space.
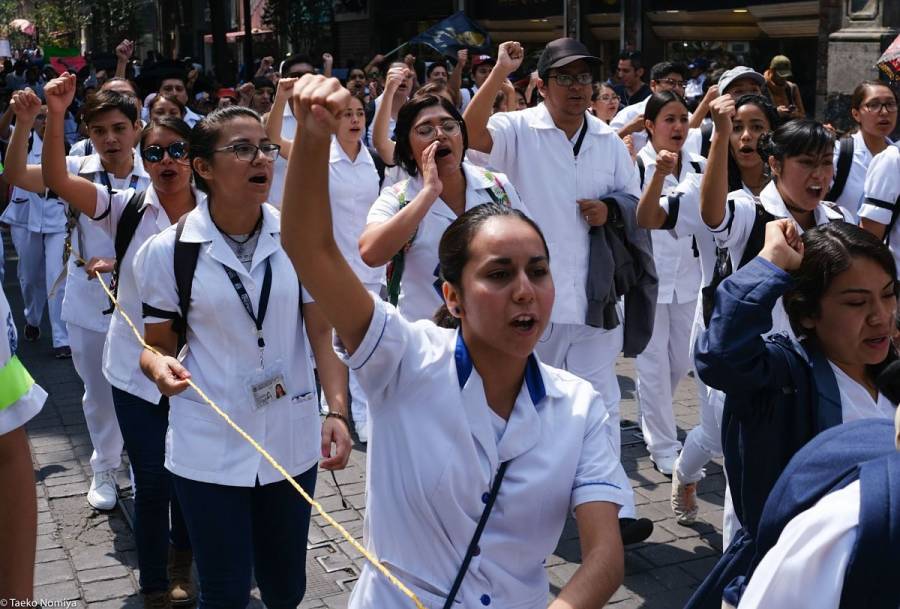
266, 386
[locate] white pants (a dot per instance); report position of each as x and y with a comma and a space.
99, 411
359, 403
660, 367
40, 263
589, 353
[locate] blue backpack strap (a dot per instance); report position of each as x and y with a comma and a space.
868, 580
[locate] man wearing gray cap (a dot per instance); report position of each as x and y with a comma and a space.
563, 160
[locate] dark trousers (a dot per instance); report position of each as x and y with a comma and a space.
144, 426
238, 531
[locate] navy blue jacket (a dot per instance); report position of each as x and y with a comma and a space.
861, 450
779, 396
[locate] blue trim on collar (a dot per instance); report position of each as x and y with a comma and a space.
533, 379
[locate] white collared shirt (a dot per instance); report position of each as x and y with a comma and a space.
854, 189
84, 300
857, 402
433, 452
734, 231
122, 351
222, 355
418, 291
537, 156
31, 210
352, 188
882, 194
279, 170
677, 267
392, 123
627, 114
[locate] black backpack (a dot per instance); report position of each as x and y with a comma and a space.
706, 130
845, 162
723, 267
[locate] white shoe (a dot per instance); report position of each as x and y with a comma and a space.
664, 464
104, 491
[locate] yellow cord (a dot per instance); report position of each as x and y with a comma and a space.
359, 548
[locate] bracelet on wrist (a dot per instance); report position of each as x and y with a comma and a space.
337, 415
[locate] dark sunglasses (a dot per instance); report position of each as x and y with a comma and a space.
155, 154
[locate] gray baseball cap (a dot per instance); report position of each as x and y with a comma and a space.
737, 73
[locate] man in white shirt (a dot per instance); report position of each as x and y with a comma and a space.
564, 161
481, 69
664, 76
403, 93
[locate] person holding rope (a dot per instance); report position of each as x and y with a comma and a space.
112, 120
221, 279
131, 218
521, 444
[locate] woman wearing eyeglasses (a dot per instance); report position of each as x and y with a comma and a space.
604, 102
246, 322
131, 218
873, 106
406, 222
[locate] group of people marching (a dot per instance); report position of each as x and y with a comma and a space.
464, 287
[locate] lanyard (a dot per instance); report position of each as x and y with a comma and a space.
577, 147
248, 305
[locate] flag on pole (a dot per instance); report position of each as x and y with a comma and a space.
454, 33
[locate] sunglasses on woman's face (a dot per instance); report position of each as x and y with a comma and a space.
154, 154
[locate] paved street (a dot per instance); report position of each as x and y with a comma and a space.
90, 557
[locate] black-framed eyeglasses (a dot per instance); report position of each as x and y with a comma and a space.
675, 84
248, 152
448, 127
876, 106
155, 153
567, 80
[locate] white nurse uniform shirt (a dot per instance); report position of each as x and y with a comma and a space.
882, 195
432, 456
420, 285
222, 354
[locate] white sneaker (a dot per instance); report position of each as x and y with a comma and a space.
664, 464
104, 491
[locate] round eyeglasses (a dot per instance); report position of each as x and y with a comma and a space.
448, 127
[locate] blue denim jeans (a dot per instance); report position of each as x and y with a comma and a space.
238, 531
144, 426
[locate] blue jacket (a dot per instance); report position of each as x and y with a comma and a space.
779, 396
861, 450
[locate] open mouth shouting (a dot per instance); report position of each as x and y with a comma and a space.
524, 323
260, 179
442, 151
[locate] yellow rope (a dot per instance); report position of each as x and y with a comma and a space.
359, 548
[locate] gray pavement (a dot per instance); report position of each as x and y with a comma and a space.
89, 557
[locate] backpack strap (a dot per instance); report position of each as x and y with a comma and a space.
757, 237
125, 229
185, 260
642, 169
890, 227
398, 261
706, 130
698, 168
844, 163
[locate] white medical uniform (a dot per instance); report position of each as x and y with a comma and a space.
882, 194
538, 158
666, 358
433, 454
29, 405
38, 230
806, 567
627, 114
854, 189
420, 284
82, 310
223, 357
352, 188
279, 170
122, 351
